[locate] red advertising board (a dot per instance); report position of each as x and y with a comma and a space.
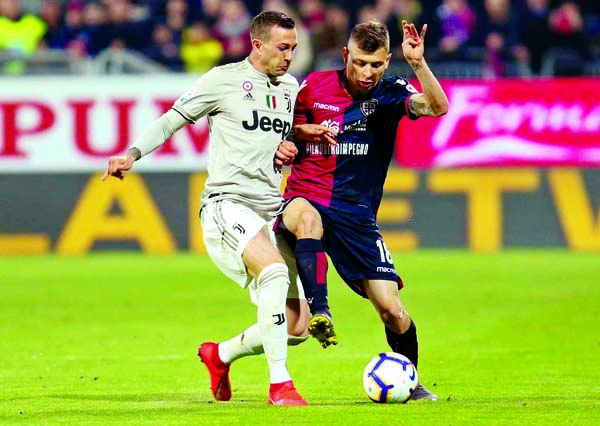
537, 122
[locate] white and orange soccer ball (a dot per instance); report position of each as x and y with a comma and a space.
390, 377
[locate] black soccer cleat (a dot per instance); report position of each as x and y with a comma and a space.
422, 393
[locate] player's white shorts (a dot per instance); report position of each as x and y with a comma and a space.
227, 228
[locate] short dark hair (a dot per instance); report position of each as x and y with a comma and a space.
264, 21
370, 36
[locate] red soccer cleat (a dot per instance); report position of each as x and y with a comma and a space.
218, 370
285, 394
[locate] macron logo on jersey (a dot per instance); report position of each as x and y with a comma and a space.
326, 107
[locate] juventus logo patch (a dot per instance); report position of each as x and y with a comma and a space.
239, 228
288, 102
279, 319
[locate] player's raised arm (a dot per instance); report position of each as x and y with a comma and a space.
433, 101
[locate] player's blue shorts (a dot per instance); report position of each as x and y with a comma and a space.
354, 245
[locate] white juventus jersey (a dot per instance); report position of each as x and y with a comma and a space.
248, 116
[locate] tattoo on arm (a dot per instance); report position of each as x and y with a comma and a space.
417, 104
416, 67
135, 153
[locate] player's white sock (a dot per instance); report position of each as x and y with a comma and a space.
245, 344
249, 343
273, 283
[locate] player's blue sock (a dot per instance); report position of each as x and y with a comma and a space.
312, 268
405, 343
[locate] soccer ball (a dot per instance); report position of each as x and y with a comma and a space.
390, 377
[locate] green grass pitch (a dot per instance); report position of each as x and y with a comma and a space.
509, 338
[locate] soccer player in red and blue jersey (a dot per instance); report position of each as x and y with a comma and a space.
345, 125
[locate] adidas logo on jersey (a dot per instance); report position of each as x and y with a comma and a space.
248, 97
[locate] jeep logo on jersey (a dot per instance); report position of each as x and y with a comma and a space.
265, 124
368, 107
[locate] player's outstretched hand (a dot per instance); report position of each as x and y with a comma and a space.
285, 154
118, 166
316, 133
413, 44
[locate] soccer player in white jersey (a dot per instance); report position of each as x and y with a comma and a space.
249, 106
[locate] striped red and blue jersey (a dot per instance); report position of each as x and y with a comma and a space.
349, 176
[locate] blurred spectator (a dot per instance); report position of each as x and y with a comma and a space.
368, 12
95, 33
397, 10
52, 14
457, 21
536, 35
312, 13
566, 22
210, 12
199, 51
570, 41
232, 29
69, 34
332, 35
164, 49
128, 27
498, 34
20, 35
176, 18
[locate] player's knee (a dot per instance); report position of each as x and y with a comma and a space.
274, 273
310, 224
395, 318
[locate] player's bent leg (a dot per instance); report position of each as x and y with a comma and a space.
247, 254
400, 329
297, 307
272, 284
384, 297
218, 357
303, 220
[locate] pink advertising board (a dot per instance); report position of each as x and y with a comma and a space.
537, 122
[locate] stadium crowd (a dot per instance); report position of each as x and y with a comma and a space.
195, 35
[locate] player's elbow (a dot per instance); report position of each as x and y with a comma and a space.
440, 107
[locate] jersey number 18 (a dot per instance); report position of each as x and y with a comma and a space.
384, 253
